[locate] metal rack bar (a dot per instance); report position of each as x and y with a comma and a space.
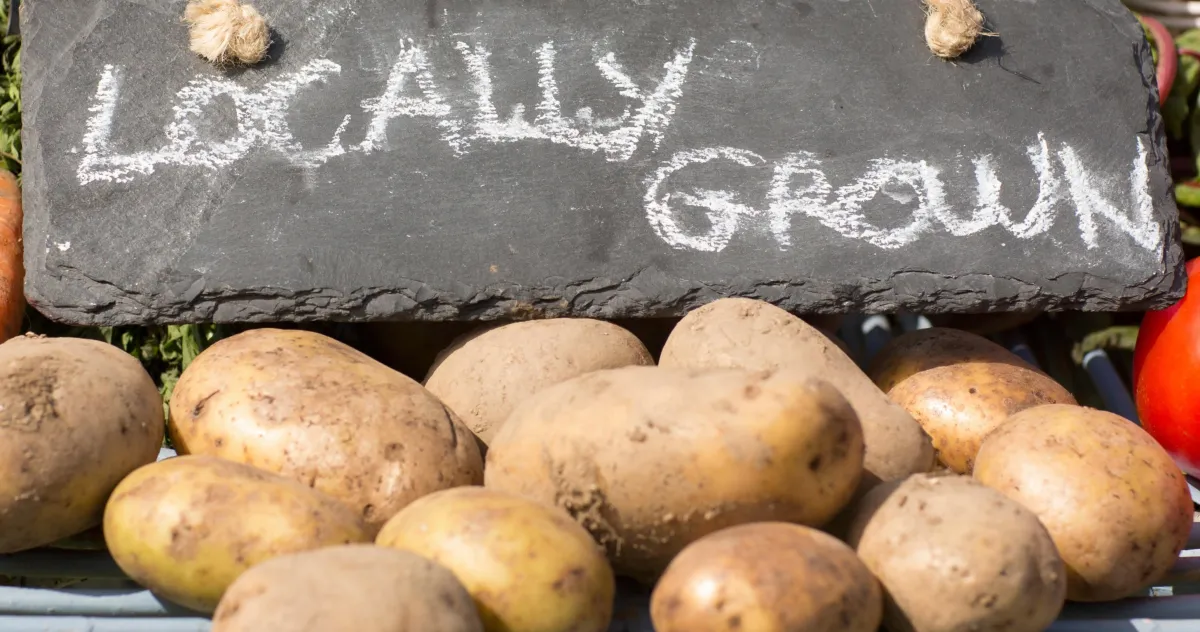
1127, 625
111, 602
95, 624
1109, 384
1177, 607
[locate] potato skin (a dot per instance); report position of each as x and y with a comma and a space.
769, 577
348, 588
187, 526
914, 352
959, 387
755, 335
1115, 503
76, 416
650, 459
529, 566
954, 555
308, 407
485, 374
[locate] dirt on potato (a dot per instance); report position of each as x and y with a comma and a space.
960, 387
1114, 501
188, 526
307, 407
76, 416
483, 376
755, 335
528, 565
953, 555
650, 459
767, 577
351, 588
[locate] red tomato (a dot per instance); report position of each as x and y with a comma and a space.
1166, 375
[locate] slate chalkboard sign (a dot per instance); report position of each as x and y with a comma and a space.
474, 159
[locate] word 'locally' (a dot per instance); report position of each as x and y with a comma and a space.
262, 115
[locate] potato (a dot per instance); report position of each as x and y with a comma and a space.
350, 588
750, 334
767, 577
959, 387
76, 416
484, 375
650, 459
305, 406
1115, 503
837, 342
954, 555
187, 526
529, 566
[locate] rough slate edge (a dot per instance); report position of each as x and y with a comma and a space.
648, 293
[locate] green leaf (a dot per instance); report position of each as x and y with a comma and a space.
1175, 112
1187, 193
169, 347
1179, 103
1191, 235
1123, 337
193, 344
128, 340
168, 379
1188, 39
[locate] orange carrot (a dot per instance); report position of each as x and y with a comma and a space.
12, 264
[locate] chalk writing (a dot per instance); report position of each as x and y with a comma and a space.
842, 210
262, 122
412, 61
619, 144
262, 114
798, 186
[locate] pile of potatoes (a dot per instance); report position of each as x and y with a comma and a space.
744, 471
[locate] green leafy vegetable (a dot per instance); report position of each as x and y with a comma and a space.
10, 98
1180, 103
